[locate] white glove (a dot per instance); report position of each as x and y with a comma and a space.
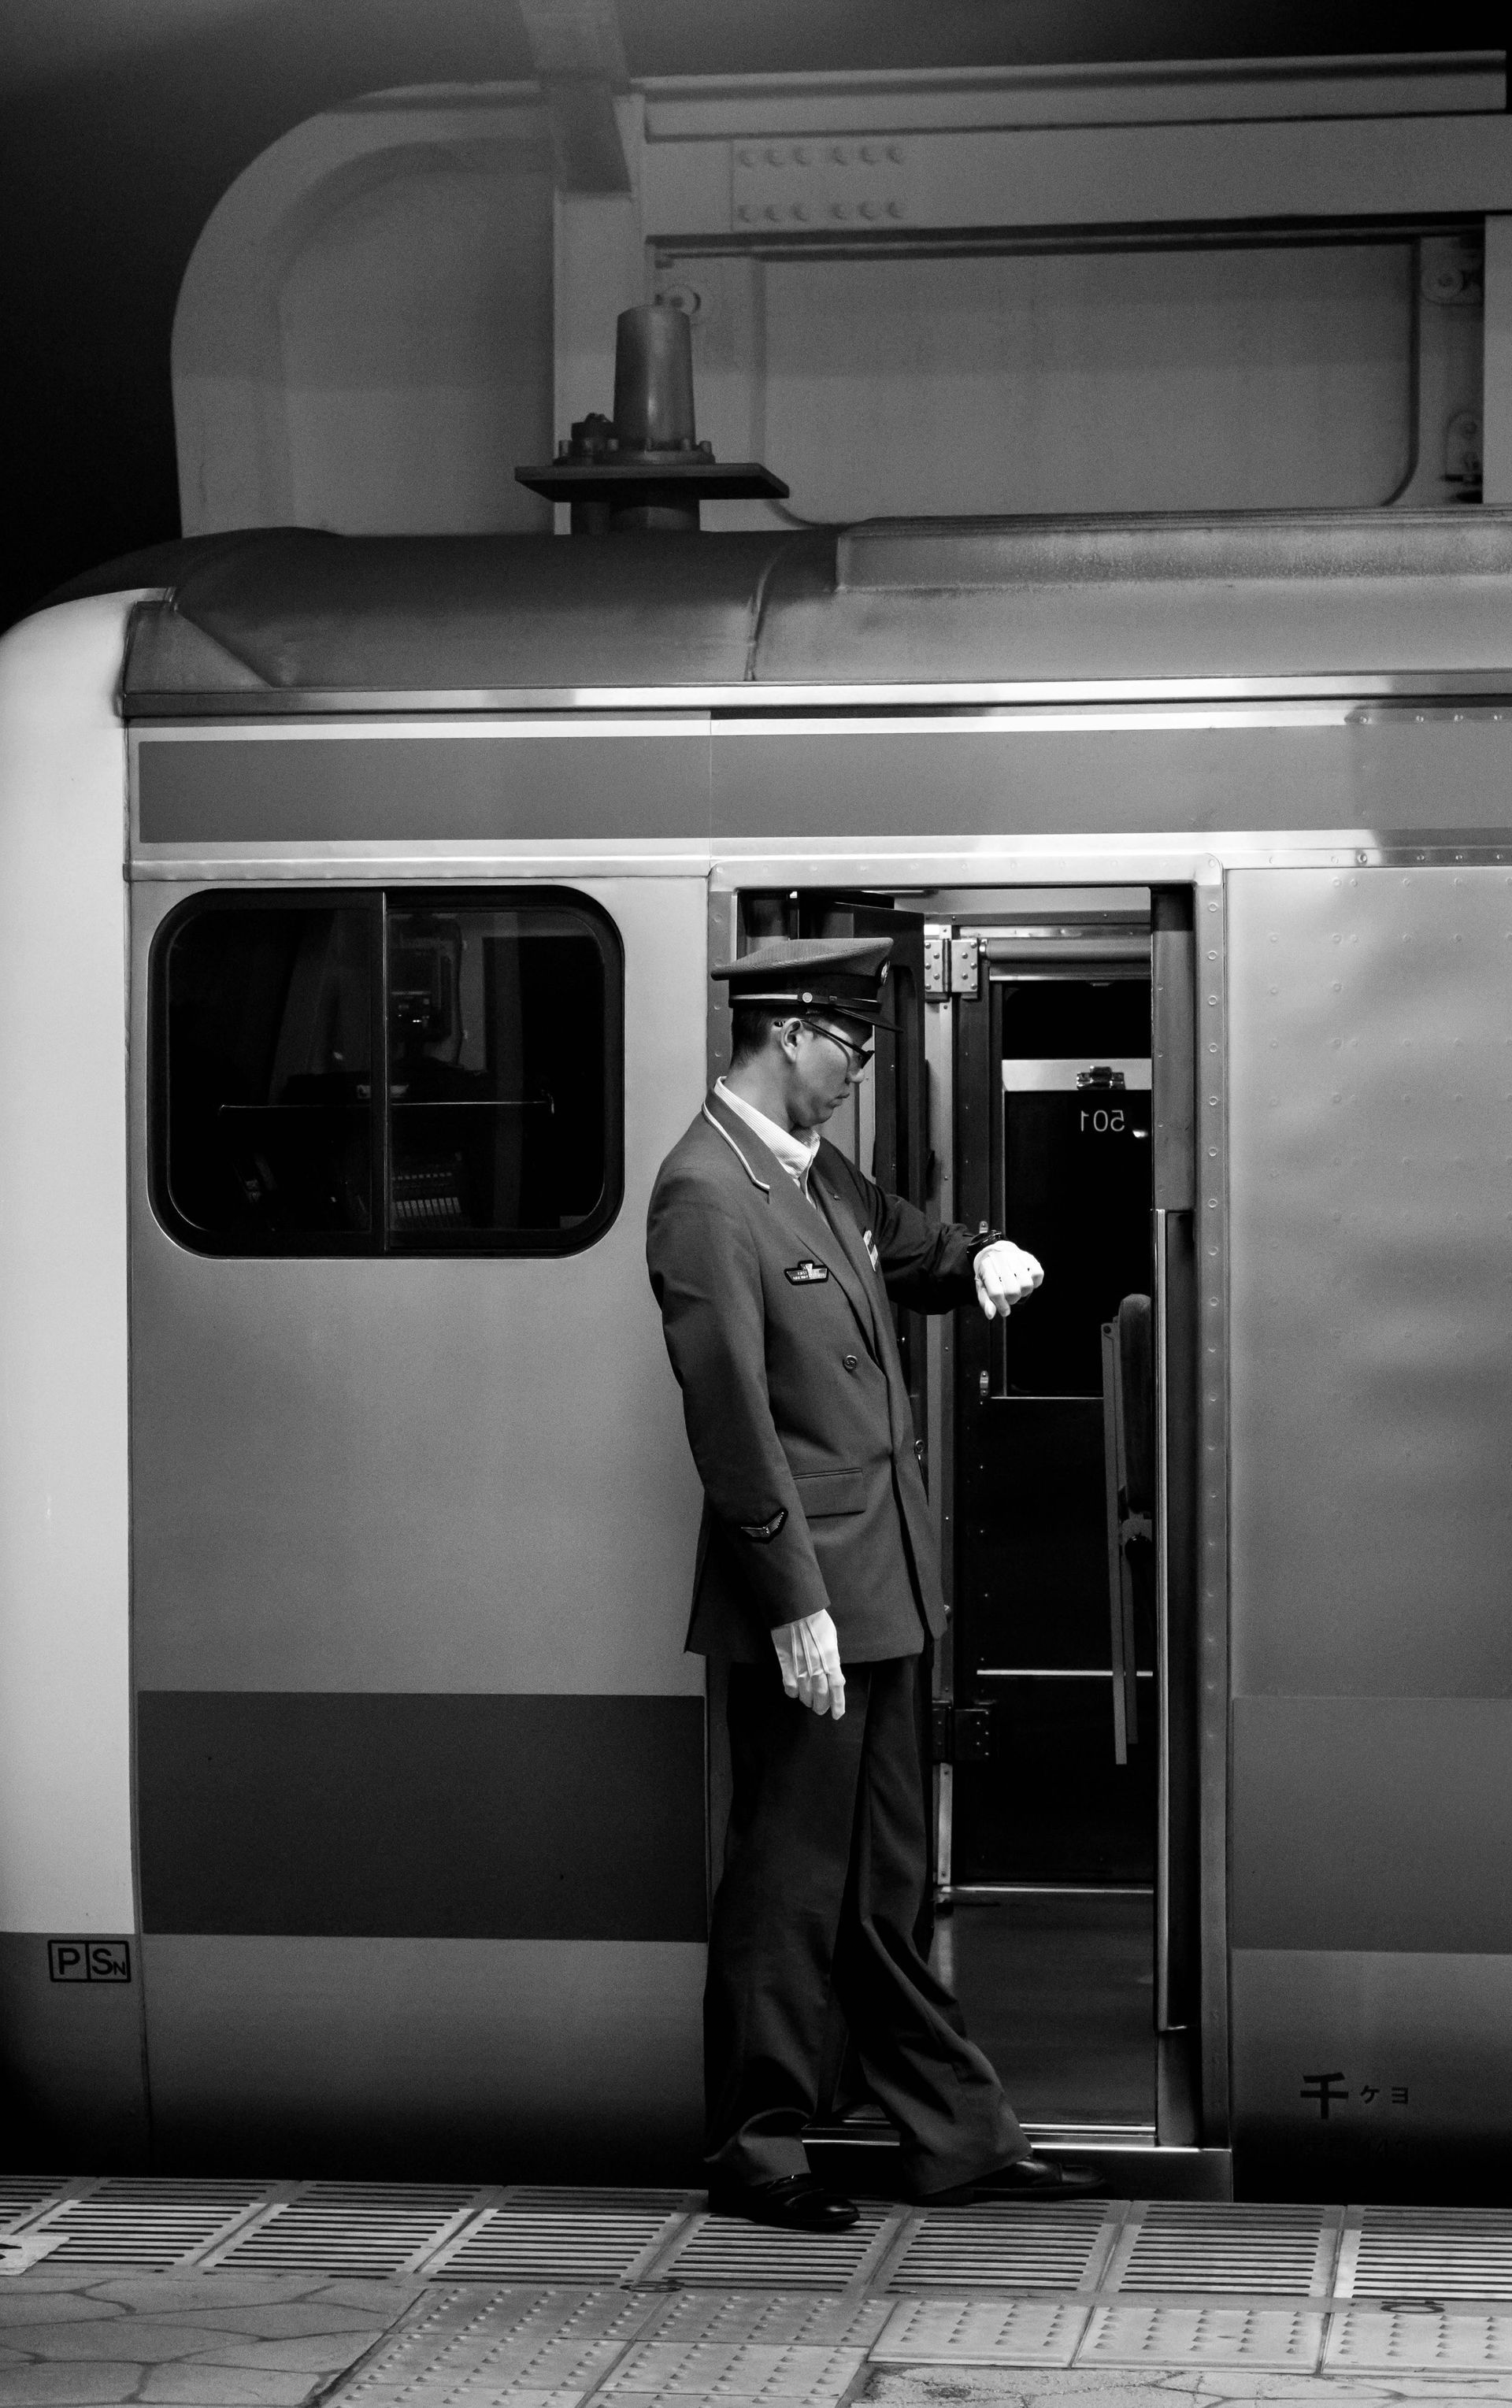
1005, 1275
809, 1654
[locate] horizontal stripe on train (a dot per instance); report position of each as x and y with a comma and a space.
397, 789
313, 1812
1373, 1825
706, 786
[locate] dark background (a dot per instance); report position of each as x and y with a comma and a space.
122, 122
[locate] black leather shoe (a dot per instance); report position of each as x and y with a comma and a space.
1027, 2178
797, 2203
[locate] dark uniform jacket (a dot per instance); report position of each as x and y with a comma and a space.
776, 1320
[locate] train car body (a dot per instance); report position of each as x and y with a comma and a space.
359, 1802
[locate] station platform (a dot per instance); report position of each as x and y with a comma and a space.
211, 2294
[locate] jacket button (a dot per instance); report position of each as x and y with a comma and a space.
853, 1362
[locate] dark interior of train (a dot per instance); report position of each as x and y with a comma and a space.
1035, 1081
1050, 1935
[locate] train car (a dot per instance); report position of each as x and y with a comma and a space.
359, 1802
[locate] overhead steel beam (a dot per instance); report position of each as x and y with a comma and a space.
579, 63
1017, 181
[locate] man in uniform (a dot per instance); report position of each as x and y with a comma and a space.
772, 1259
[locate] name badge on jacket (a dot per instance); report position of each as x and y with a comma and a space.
807, 1274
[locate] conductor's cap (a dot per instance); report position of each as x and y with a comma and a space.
841, 974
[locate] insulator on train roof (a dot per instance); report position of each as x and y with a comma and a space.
646, 469
653, 380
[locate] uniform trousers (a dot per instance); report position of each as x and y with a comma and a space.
826, 1864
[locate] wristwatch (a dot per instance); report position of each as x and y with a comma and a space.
980, 1244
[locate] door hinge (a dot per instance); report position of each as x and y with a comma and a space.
973, 1734
966, 965
961, 1734
952, 965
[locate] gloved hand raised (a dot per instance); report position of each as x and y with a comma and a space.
809, 1654
1005, 1275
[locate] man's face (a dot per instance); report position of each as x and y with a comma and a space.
823, 1066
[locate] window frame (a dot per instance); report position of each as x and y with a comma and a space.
379, 1241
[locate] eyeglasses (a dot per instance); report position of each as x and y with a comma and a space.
858, 1056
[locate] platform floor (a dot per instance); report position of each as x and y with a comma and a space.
246, 2295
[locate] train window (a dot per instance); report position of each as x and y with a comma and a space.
266, 1103
498, 1047
489, 1028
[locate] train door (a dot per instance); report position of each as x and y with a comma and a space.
1036, 1077
1065, 1697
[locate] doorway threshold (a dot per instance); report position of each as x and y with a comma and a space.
861, 2155
1058, 2136
946, 1899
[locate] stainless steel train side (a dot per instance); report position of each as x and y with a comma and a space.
341, 1603
73, 2048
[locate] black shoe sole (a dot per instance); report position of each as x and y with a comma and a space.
749, 2212
1033, 2195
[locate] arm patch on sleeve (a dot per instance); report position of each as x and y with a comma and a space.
763, 1531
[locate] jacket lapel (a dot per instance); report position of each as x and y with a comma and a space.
844, 1223
883, 1338
805, 1224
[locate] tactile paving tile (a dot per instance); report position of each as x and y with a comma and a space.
1182, 2245
1007, 2248
561, 2236
334, 2228
788, 2318
1435, 2252
529, 2346
1421, 2340
982, 2332
1141, 2332
725, 2253
146, 2224
734, 2375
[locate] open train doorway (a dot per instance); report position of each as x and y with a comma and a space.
1039, 1080
1061, 1047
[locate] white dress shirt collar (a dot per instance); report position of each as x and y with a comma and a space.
794, 1153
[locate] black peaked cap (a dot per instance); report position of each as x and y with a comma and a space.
843, 974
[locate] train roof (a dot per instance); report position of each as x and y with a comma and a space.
295, 620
